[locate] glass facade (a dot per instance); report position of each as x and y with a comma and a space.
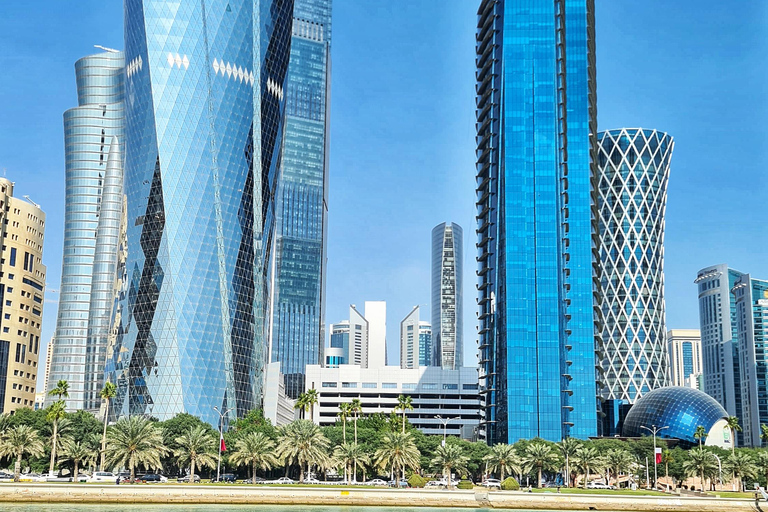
93, 138
719, 346
415, 341
540, 331
679, 408
425, 343
751, 297
302, 198
204, 126
447, 296
632, 201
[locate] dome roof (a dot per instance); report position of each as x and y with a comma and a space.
680, 409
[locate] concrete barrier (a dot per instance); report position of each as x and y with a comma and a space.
276, 495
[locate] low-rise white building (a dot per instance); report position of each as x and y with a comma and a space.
278, 406
450, 394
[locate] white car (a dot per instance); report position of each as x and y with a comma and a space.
281, 480
311, 480
597, 485
102, 476
436, 483
376, 481
492, 483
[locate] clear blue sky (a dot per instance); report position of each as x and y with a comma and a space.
402, 132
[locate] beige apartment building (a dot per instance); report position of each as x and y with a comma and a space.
22, 287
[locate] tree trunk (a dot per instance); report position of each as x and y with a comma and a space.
355, 474
344, 429
301, 472
449, 478
403, 421
586, 478
133, 468
104, 436
702, 480
192, 470
253, 476
53, 446
539, 486
17, 467
74, 479
501, 467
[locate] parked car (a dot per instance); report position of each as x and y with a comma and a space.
152, 477
102, 476
226, 477
257, 479
281, 480
185, 479
436, 483
32, 477
398, 483
5, 477
82, 477
597, 485
491, 483
376, 481
311, 480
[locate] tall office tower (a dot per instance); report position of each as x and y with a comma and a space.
358, 338
538, 292
48, 356
684, 348
93, 138
376, 315
751, 297
447, 295
633, 172
204, 128
22, 289
302, 198
415, 341
338, 349
719, 346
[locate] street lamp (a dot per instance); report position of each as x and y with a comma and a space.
221, 437
654, 430
719, 468
445, 421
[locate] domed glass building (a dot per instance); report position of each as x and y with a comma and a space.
682, 410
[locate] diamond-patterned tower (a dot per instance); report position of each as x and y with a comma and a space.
633, 177
204, 127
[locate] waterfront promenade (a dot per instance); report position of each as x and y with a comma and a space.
266, 495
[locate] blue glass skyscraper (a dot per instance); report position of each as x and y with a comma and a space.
204, 126
539, 335
93, 137
302, 198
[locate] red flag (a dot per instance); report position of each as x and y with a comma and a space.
223, 446
658, 455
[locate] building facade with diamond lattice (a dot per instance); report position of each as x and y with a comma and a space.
632, 200
204, 128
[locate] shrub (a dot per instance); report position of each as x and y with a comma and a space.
465, 484
510, 484
417, 481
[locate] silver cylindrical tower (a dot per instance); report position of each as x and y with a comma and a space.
632, 189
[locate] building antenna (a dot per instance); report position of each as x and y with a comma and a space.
110, 50
31, 201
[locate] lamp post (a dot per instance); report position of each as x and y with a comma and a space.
654, 430
719, 469
445, 421
221, 436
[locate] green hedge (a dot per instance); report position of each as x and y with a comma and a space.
510, 484
417, 481
465, 484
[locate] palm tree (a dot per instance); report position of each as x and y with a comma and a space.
61, 390
348, 455
303, 442
197, 448
301, 404
762, 462
18, 441
254, 449
700, 462
345, 411
619, 461
666, 458
108, 392
503, 458
78, 452
397, 451
540, 456
311, 399
568, 447
741, 465
700, 434
356, 407
135, 440
404, 403
448, 458
733, 424
56, 413
587, 458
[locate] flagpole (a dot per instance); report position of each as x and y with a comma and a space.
221, 437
